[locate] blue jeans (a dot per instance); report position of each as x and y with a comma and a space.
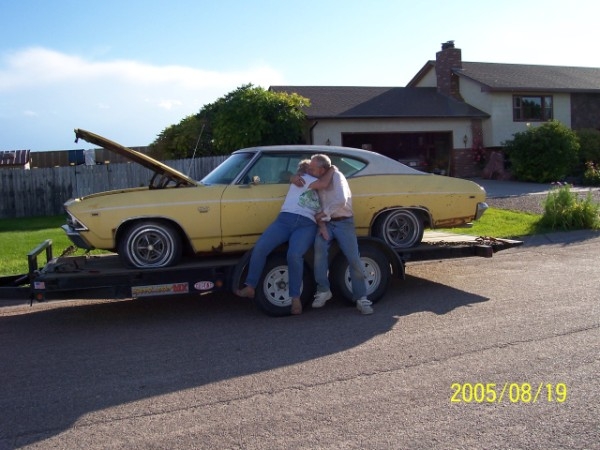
300, 232
345, 234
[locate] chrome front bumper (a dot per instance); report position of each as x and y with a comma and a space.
481, 208
76, 238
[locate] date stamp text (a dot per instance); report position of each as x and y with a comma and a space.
508, 392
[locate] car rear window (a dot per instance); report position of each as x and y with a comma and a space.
348, 166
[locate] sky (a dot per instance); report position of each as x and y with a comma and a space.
128, 69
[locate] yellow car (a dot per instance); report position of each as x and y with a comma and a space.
228, 209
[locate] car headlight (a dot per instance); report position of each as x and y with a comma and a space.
74, 223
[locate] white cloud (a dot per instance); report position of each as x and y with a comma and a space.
39, 66
126, 100
169, 104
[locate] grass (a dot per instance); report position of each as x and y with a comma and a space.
19, 236
501, 223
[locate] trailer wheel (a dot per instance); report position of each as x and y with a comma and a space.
377, 271
401, 228
272, 293
149, 245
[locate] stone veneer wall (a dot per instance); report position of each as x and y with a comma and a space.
585, 111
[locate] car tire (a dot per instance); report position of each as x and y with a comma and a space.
272, 293
150, 245
401, 228
377, 270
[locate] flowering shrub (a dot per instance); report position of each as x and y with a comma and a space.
479, 156
591, 176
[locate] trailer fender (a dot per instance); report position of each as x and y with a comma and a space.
239, 272
381, 263
396, 263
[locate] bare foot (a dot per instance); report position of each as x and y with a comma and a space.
296, 306
246, 291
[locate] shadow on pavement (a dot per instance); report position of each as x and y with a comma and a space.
559, 238
64, 361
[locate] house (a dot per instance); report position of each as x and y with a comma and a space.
452, 112
15, 159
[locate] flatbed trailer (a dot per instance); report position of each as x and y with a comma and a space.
106, 277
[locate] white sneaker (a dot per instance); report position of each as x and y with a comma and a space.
364, 306
321, 298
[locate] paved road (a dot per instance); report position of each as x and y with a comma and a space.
214, 373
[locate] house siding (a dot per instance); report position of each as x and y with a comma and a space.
332, 129
501, 127
428, 80
462, 162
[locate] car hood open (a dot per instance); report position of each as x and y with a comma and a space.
160, 169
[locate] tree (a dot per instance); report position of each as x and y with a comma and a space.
177, 141
246, 117
543, 154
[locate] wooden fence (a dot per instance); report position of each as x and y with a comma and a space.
42, 192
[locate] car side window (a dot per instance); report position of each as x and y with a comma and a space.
348, 166
274, 168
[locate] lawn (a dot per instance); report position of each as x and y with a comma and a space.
19, 236
501, 223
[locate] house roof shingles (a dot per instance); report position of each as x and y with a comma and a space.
524, 77
344, 102
425, 102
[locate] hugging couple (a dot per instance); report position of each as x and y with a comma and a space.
317, 209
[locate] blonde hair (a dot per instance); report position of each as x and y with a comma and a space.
303, 165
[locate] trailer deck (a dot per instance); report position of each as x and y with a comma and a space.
105, 276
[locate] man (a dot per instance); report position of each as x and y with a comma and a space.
337, 213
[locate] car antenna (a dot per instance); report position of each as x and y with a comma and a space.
195, 149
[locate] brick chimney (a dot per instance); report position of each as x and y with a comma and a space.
445, 60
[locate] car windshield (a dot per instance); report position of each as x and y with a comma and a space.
228, 170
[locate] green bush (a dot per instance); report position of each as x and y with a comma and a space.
543, 154
565, 210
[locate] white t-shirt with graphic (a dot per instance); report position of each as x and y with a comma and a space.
302, 200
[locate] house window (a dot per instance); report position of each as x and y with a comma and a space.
532, 108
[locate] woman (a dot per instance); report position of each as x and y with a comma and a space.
295, 223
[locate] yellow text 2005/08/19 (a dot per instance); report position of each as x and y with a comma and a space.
508, 392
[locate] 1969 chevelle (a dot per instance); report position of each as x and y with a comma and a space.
227, 210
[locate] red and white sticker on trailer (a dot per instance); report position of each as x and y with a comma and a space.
160, 289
